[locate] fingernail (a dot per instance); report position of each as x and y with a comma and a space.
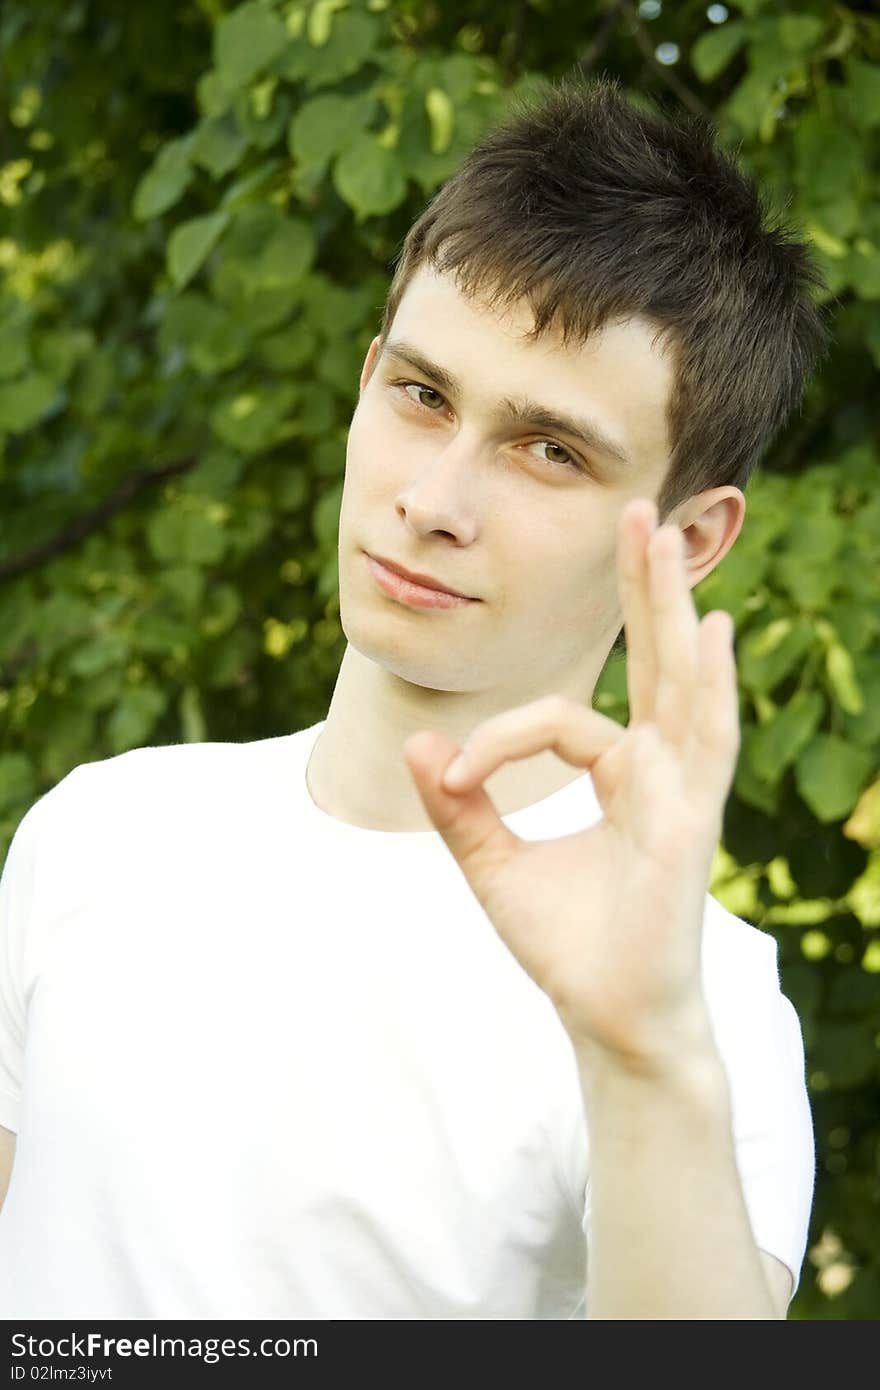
456, 772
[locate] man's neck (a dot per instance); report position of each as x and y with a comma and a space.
357, 772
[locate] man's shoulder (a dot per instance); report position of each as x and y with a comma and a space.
172, 764
735, 950
158, 780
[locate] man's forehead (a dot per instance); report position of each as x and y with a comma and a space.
433, 300
429, 286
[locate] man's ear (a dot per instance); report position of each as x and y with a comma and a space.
370, 361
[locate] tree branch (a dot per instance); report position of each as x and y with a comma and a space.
515, 39
92, 521
684, 93
600, 40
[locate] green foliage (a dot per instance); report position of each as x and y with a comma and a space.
201, 203
191, 243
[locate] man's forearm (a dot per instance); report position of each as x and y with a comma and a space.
669, 1234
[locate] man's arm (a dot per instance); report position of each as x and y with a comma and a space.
609, 923
670, 1235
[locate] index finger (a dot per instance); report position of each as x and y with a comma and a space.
573, 731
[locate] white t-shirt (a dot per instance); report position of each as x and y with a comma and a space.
263, 1063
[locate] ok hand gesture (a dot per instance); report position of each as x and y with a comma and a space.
608, 921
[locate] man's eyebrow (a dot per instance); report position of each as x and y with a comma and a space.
519, 410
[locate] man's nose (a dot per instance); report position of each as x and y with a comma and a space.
444, 489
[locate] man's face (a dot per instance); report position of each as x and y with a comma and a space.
442, 480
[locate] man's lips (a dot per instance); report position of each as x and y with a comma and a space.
414, 595
426, 581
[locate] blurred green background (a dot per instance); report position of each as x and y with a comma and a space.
199, 206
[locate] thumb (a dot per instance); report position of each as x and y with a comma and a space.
468, 822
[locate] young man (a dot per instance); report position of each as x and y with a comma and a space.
293, 1029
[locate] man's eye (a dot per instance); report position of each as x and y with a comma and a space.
421, 391
567, 458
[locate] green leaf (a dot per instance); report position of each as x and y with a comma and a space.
99, 654
326, 124
833, 222
191, 243
325, 517
841, 674
317, 414
22, 402
246, 41
219, 144
864, 729
93, 383
156, 634
17, 780
751, 789
288, 349
292, 488
830, 774
808, 589
800, 32
320, 21
268, 250
242, 190
212, 339
286, 256
768, 654
256, 310
61, 731
252, 420
369, 177
229, 659
14, 340
830, 157
441, 116
748, 102
352, 41
863, 87
250, 531
261, 131
340, 309
191, 537
134, 717
211, 94
59, 349
186, 586
713, 50
165, 181
863, 269
216, 474
60, 619
223, 607
749, 7
339, 364
775, 744
459, 75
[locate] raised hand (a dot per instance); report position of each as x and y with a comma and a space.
608, 921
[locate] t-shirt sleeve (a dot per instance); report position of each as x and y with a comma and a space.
16, 905
21, 924
761, 1045
772, 1125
